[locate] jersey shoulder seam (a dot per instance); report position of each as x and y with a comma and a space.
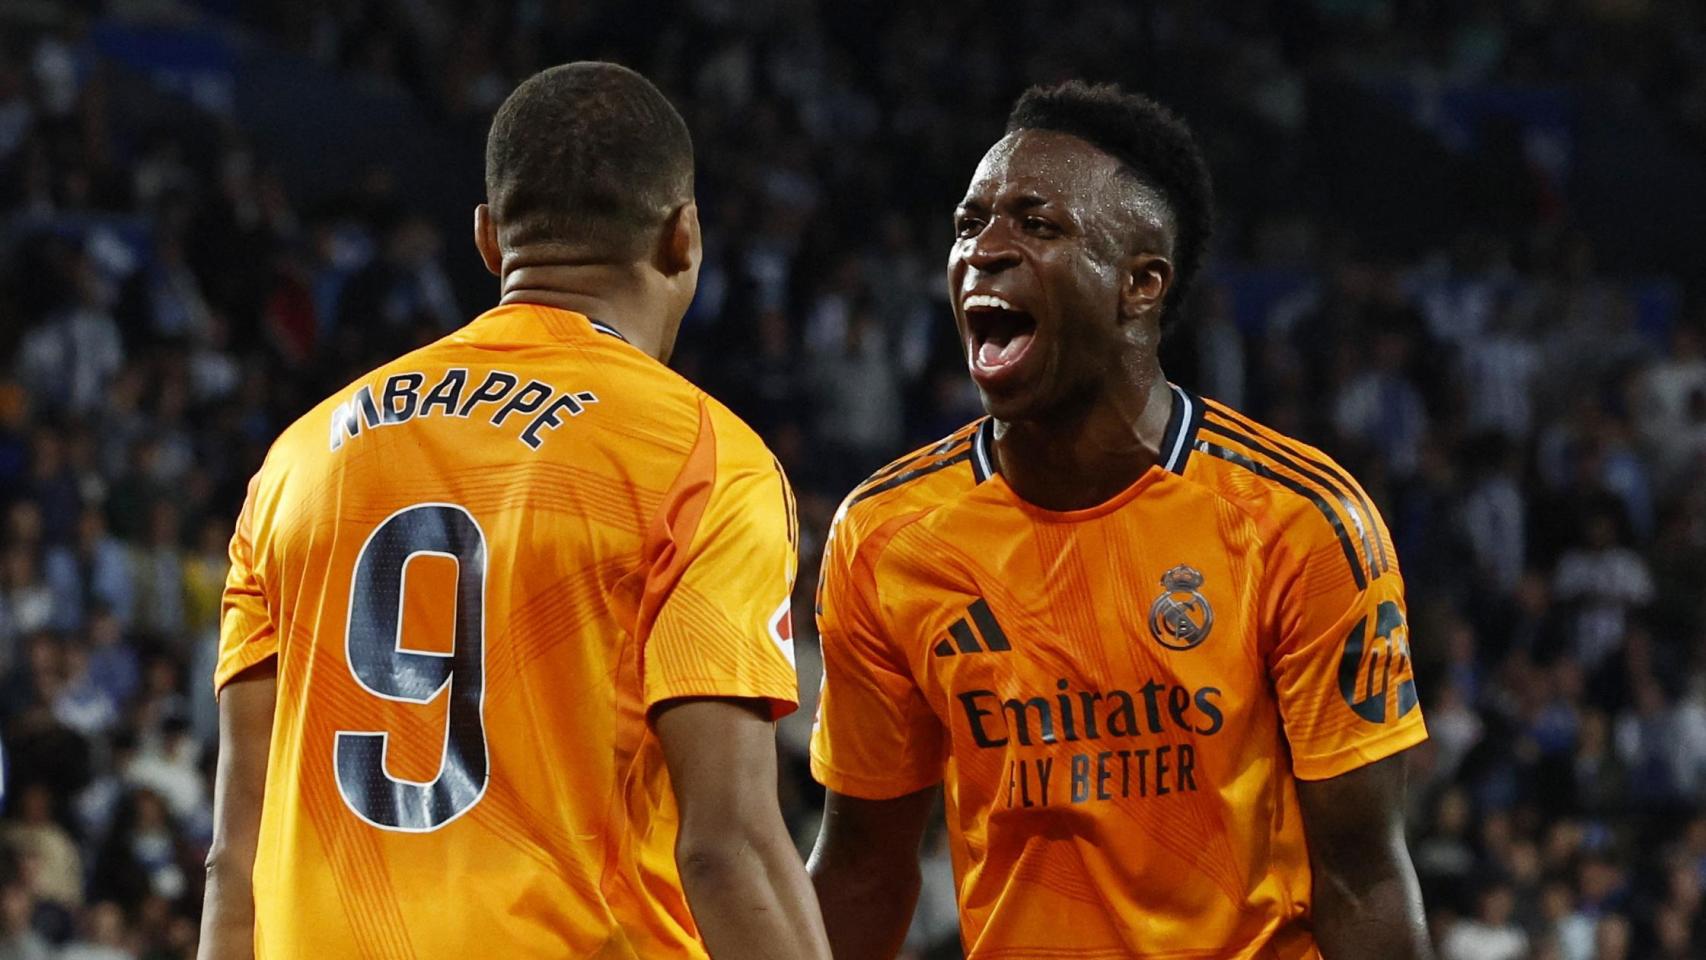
864, 506
1311, 476
954, 449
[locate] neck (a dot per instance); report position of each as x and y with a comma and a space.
613, 294
1086, 457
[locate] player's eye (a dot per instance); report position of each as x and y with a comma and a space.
1041, 227
967, 227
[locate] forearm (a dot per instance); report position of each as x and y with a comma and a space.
1367, 902
227, 914
1377, 913
239, 791
867, 908
751, 899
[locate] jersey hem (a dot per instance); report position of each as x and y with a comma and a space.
1357, 755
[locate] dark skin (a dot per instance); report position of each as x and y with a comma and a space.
865, 869
240, 780
644, 292
1367, 900
748, 890
1055, 229
743, 878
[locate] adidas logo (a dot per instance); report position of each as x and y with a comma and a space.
962, 638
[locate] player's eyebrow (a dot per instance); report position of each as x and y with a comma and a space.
1026, 202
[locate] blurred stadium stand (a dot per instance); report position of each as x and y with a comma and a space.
1459, 248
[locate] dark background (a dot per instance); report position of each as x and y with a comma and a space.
1458, 249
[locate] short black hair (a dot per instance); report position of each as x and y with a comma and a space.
586, 154
1148, 139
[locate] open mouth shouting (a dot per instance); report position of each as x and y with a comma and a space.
999, 336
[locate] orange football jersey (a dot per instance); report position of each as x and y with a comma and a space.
479, 567
1118, 700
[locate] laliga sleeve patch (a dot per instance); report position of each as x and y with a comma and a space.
782, 630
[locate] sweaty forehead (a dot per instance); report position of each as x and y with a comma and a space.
1043, 158
1064, 169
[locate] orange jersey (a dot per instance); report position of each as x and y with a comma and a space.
1118, 700
478, 567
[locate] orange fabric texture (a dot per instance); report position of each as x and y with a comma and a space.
1119, 700
479, 567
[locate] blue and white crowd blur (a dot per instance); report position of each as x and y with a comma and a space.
1442, 256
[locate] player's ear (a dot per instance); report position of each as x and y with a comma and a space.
1144, 282
682, 246
486, 239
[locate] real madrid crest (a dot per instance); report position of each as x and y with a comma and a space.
1180, 618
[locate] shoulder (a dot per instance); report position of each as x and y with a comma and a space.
737, 444
913, 486
314, 432
1298, 495
640, 407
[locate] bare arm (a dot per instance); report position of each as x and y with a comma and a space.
245, 738
865, 868
1367, 900
743, 877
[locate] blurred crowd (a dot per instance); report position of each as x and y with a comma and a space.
1531, 426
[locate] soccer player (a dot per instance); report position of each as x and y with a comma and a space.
506, 629
1154, 652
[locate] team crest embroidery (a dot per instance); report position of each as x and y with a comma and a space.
1180, 618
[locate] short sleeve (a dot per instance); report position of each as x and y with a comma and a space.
1340, 661
247, 635
715, 619
876, 736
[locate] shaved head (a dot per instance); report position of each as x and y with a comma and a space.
1169, 178
587, 155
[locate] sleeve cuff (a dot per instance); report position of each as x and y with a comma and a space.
1323, 766
234, 663
781, 701
869, 788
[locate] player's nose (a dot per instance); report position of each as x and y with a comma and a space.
992, 250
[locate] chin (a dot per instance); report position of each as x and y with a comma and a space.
1055, 405
1010, 406
1033, 392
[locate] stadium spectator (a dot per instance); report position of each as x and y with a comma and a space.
1491, 935
104, 936
1525, 405
18, 937
48, 856
26, 601
93, 568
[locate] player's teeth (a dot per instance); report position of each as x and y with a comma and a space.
985, 300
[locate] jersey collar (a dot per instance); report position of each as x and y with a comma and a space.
1183, 419
606, 329
535, 323
1181, 434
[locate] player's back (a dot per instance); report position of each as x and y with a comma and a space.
479, 567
